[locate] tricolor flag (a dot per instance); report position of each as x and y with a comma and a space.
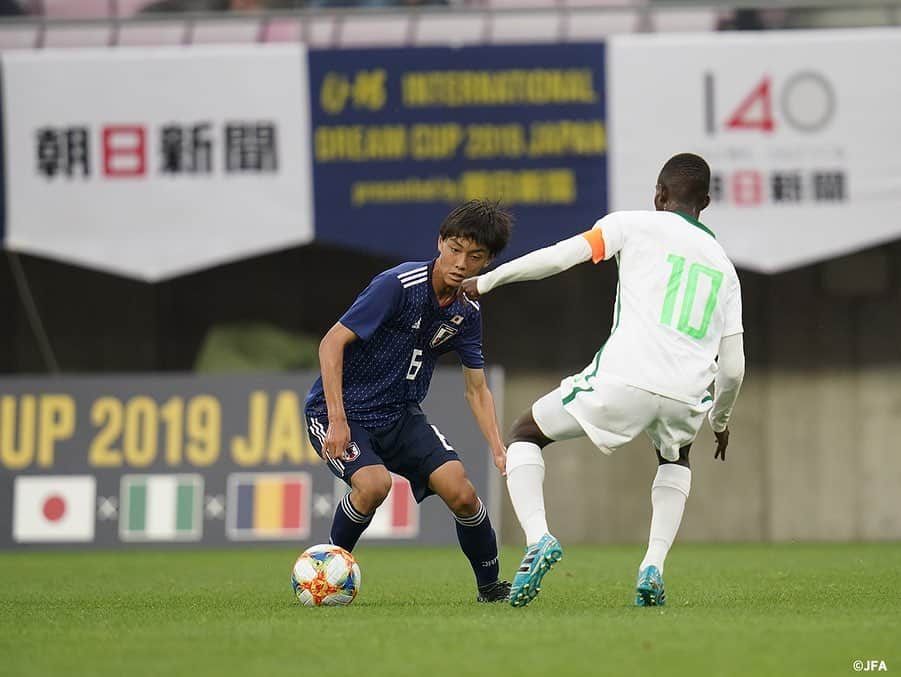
268, 506
161, 508
397, 517
54, 509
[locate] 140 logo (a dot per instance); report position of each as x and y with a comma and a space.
804, 101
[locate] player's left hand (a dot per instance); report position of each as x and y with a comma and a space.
722, 441
470, 287
500, 461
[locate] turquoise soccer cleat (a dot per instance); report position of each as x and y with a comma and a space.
649, 589
538, 560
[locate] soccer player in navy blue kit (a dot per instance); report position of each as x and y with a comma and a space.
377, 361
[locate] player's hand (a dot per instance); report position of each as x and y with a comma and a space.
500, 461
722, 441
337, 439
470, 287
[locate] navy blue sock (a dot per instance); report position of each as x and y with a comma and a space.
479, 544
348, 524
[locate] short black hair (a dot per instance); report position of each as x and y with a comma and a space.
481, 221
687, 176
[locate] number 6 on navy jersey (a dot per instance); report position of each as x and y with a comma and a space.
415, 364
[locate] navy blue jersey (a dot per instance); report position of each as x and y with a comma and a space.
402, 330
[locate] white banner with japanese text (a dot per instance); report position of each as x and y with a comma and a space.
158, 161
800, 130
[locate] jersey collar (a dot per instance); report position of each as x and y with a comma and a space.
696, 224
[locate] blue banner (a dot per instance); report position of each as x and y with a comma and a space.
401, 136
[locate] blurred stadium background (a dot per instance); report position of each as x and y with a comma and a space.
194, 192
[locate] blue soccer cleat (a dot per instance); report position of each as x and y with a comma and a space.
538, 560
649, 589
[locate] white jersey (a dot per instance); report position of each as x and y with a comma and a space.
678, 296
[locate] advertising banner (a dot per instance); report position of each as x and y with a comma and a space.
199, 460
153, 162
401, 136
801, 145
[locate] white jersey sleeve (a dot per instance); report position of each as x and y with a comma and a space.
614, 229
538, 264
728, 380
733, 309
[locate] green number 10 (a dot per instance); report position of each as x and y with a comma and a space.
688, 298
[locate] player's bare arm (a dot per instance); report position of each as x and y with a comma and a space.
481, 402
539, 264
331, 360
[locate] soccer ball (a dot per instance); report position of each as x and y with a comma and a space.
325, 575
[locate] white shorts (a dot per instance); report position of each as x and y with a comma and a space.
611, 413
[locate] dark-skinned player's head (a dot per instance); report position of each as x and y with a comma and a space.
683, 184
479, 221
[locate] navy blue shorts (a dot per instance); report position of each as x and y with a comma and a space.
410, 447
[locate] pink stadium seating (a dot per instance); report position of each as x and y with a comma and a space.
77, 36
588, 25
684, 20
319, 31
460, 29
283, 30
521, 4
524, 27
612, 4
130, 7
230, 32
18, 37
153, 33
76, 9
588, 20
374, 31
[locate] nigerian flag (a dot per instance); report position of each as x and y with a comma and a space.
161, 508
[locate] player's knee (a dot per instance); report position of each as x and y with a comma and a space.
683, 459
526, 430
370, 489
463, 501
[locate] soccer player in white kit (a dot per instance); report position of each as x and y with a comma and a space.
677, 329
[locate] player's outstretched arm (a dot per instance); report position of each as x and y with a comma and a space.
535, 265
728, 382
331, 362
482, 404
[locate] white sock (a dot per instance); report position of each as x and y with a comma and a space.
525, 482
668, 493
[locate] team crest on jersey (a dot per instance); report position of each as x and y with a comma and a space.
457, 320
444, 333
352, 453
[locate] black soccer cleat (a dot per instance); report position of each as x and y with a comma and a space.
499, 591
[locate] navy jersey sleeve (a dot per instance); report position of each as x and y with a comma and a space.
373, 306
469, 347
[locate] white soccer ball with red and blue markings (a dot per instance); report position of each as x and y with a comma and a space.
325, 575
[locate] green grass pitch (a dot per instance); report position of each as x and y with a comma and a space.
793, 609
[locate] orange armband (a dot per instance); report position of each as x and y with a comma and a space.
596, 239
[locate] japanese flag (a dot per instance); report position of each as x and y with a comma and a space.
54, 508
